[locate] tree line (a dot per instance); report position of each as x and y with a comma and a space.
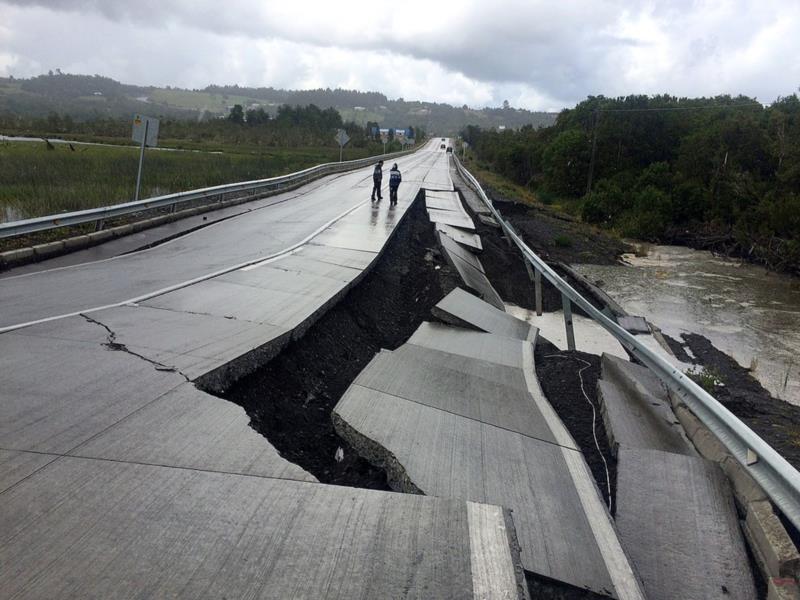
720, 173
290, 126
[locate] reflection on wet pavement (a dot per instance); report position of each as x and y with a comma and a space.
746, 311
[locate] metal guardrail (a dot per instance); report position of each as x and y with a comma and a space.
256, 187
779, 480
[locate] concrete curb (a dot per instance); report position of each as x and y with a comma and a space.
775, 553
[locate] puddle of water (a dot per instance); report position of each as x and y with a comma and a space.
746, 311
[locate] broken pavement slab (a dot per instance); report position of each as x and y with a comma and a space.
463, 309
408, 414
191, 429
444, 201
495, 349
449, 217
677, 521
465, 238
164, 532
634, 324
636, 409
443, 454
463, 389
76, 387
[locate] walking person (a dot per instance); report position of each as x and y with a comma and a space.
394, 182
377, 178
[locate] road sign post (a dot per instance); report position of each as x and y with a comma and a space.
342, 138
145, 130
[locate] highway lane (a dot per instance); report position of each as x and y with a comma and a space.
225, 245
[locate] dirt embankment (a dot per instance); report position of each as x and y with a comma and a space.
290, 399
774, 420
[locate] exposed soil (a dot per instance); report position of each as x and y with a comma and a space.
544, 587
564, 377
505, 268
290, 399
776, 421
559, 238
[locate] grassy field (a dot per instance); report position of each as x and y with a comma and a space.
215, 103
35, 181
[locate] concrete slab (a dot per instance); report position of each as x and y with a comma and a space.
634, 324
636, 410
463, 309
454, 249
17, 465
470, 270
488, 220
343, 257
414, 376
470, 240
441, 194
72, 390
191, 429
195, 344
438, 178
449, 217
106, 529
448, 455
677, 521
328, 268
589, 335
444, 201
467, 342
475, 204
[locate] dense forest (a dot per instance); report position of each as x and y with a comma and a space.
720, 173
291, 127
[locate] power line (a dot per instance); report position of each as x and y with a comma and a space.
670, 108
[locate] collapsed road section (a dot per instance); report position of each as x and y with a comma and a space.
119, 476
379, 353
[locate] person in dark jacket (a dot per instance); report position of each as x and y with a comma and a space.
377, 178
394, 182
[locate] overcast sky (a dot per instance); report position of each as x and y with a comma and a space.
538, 54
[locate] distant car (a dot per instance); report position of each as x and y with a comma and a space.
442, 146
449, 148
442, 139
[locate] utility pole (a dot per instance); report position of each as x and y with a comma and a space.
594, 151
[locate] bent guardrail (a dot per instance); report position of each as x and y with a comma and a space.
779, 480
254, 188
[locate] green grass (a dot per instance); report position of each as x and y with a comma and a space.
191, 100
501, 185
35, 181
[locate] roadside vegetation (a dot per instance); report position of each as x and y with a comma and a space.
719, 173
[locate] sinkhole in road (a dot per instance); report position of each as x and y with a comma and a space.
290, 398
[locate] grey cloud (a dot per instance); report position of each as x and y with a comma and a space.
563, 51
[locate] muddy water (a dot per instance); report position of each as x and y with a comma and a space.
746, 311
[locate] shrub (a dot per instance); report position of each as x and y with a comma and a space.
563, 241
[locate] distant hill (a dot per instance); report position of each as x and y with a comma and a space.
86, 97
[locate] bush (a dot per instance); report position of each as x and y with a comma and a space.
604, 204
563, 241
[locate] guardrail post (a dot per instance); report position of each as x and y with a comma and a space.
98, 225
536, 277
565, 302
537, 291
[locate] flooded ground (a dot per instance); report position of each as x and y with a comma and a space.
747, 312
